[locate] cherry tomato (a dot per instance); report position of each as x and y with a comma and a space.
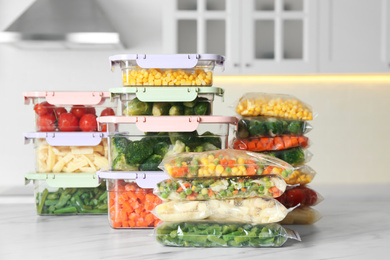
46, 123
43, 108
78, 110
311, 197
68, 122
59, 111
104, 128
108, 112
294, 197
88, 123
91, 110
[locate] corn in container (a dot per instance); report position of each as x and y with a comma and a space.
139, 143
131, 199
68, 194
166, 100
75, 152
70, 111
167, 70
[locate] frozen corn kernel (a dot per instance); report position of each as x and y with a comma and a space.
254, 104
167, 77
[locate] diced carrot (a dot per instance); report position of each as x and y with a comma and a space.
303, 141
130, 187
141, 196
279, 145
250, 171
235, 192
259, 146
240, 145
243, 189
131, 223
294, 141
126, 206
273, 190
210, 193
268, 170
252, 146
223, 162
287, 141
149, 219
111, 202
192, 196
231, 163
116, 224
125, 224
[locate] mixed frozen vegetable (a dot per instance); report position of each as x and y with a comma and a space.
260, 144
210, 234
301, 175
265, 126
200, 106
146, 154
130, 206
220, 188
253, 210
72, 201
226, 162
276, 105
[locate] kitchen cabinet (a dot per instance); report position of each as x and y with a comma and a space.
354, 36
283, 36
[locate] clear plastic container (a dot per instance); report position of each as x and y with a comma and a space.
76, 152
167, 70
68, 194
140, 143
70, 111
166, 101
131, 198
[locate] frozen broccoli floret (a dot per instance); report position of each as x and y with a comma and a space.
295, 127
151, 163
294, 156
137, 152
274, 126
136, 107
119, 164
209, 147
160, 108
161, 148
188, 138
208, 137
179, 147
257, 128
119, 144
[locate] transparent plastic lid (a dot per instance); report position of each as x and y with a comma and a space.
67, 138
70, 180
144, 179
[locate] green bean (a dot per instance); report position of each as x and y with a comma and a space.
42, 201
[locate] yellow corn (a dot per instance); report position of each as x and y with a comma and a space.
211, 167
219, 169
167, 77
240, 161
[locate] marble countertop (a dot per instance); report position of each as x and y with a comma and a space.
355, 224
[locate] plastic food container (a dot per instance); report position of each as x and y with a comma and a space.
76, 152
167, 70
213, 234
131, 198
166, 101
70, 111
140, 143
68, 194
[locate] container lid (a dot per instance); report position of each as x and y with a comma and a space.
167, 123
68, 180
144, 179
67, 138
167, 61
68, 97
167, 94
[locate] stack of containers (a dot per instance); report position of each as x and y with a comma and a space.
170, 113
69, 150
222, 198
276, 124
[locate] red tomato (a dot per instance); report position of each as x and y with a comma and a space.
91, 110
59, 111
108, 112
68, 122
88, 123
46, 123
43, 108
294, 197
78, 110
104, 128
311, 197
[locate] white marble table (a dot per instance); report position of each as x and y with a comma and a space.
355, 225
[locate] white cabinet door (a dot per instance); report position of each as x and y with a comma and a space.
279, 36
354, 36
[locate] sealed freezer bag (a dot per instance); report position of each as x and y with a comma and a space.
301, 175
147, 153
301, 196
294, 156
213, 234
220, 188
252, 211
225, 163
277, 143
302, 216
276, 105
265, 126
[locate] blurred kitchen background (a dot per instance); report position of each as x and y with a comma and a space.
334, 55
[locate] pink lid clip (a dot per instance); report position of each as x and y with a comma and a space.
68, 97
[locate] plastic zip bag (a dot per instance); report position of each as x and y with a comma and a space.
294, 156
260, 144
301, 175
302, 196
220, 188
302, 216
211, 234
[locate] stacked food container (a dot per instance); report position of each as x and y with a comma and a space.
69, 150
169, 114
276, 124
